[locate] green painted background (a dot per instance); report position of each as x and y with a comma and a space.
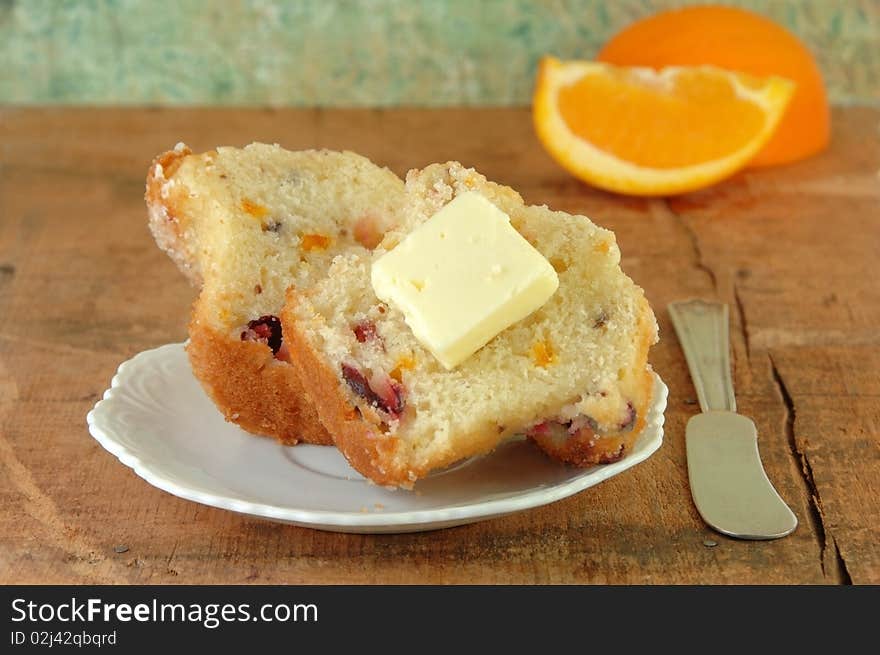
357, 52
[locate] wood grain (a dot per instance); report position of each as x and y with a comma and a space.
792, 250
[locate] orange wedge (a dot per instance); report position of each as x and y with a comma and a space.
739, 40
644, 132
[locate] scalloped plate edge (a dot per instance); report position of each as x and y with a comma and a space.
393, 522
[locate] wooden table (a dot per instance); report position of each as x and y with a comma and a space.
794, 251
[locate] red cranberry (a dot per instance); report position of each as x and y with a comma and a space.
390, 394
267, 330
365, 331
356, 381
629, 420
381, 391
541, 429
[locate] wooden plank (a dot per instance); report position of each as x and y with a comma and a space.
82, 287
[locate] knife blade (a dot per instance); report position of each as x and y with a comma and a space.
728, 482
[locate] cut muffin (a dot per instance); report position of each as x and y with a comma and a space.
243, 225
573, 375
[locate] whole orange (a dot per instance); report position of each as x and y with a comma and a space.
738, 40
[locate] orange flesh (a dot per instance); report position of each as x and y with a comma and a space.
658, 124
738, 40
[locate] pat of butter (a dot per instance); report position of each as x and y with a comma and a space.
463, 276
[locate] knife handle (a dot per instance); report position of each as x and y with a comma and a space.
702, 328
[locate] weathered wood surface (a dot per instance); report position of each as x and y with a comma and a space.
82, 287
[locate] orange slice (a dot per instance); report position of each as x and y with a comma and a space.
644, 132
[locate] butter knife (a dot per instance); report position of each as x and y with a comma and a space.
728, 483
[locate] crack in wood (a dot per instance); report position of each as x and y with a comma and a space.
171, 556
743, 324
846, 578
168, 568
817, 517
699, 263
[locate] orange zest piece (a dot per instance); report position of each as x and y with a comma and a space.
738, 40
642, 132
405, 363
543, 354
314, 242
254, 209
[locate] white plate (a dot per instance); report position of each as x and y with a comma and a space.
156, 419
